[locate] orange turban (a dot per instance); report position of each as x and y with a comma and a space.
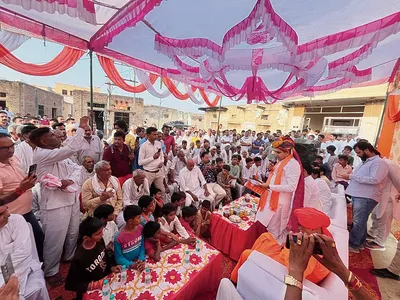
284, 144
312, 218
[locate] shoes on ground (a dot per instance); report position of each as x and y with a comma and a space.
374, 246
354, 250
385, 273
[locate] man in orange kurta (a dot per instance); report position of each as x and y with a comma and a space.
310, 221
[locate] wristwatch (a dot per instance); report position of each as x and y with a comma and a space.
290, 280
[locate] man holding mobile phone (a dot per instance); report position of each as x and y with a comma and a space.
152, 160
15, 189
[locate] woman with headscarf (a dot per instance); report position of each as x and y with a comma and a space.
276, 194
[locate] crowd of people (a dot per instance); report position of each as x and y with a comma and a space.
104, 204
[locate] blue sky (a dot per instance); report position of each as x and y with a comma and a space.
34, 51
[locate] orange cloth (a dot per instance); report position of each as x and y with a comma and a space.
267, 245
312, 218
307, 217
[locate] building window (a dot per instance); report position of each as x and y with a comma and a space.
214, 116
264, 117
121, 116
70, 93
54, 113
234, 116
41, 110
64, 92
3, 95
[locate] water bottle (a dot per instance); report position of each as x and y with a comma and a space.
220, 209
197, 245
187, 258
147, 276
112, 297
123, 275
254, 209
106, 290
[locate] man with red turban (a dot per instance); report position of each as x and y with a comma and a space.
310, 221
277, 193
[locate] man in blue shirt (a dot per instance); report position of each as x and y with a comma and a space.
365, 188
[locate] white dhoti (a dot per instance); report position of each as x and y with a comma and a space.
381, 223
60, 228
173, 188
217, 193
199, 193
35, 288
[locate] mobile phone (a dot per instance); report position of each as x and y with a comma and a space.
7, 268
317, 248
32, 170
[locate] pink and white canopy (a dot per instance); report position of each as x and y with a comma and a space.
262, 50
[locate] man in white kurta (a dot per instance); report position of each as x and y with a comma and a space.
59, 206
193, 183
311, 190
382, 215
16, 240
134, 188
276, 221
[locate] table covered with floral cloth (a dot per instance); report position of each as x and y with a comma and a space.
233, 238
171, 277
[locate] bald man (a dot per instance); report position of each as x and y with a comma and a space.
192, 182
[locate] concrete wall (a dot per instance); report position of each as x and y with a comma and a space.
20, 98
82, 98
254, 116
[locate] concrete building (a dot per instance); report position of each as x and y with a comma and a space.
24, 99
107, 110
357, 111
156, 115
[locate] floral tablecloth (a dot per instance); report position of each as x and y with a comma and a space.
171, 277
233, 238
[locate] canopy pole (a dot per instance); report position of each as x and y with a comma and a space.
91, 88
219, 117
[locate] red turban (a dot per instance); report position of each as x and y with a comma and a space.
312, 218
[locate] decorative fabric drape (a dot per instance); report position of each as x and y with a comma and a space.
63, 61
392, 116
12, 40
112, 73
148, 81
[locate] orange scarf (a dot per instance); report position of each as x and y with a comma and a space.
263, 192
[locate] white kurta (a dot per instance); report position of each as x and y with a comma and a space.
325, 195
131, 192
57, 163
192, 181
311, 194
15, 238
276, 222
24, 152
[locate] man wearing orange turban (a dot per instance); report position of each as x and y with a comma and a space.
310, 221
277, 193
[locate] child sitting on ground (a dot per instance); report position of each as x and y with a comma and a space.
203, 220
178, 201
148, 205
129, 242
156, 241
188, 219
224, 180
105, 212
157, 195
90, 263
170, 223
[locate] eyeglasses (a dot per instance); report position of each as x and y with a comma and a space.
7, 148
